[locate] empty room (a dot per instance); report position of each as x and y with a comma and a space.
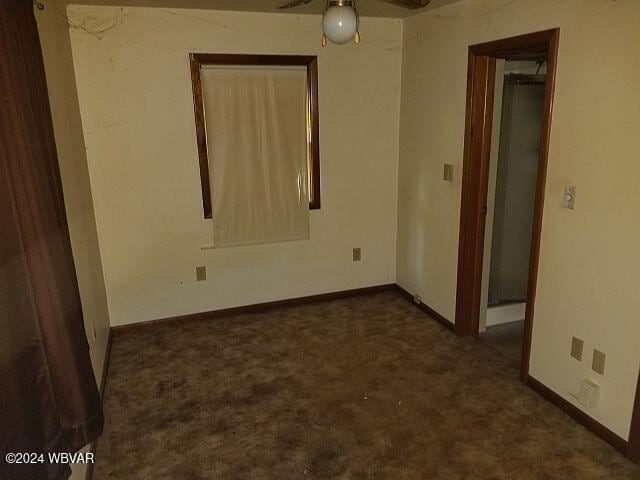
326, 239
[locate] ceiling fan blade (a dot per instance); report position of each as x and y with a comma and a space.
294, 3
410, 4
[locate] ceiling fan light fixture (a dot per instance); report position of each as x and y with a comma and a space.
340, 22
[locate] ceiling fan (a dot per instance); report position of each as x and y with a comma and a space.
340, 22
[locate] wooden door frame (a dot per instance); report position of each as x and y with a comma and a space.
633, 451
475, 178
475, 181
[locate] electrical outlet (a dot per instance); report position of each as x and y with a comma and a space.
599, 358
577, 347
448, 172
201, 273
417, 299
357, 254
588, 394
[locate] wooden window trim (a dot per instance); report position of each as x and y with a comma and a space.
197, 60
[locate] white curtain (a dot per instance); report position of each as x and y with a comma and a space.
256, 121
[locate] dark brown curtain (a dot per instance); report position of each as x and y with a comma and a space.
48, 396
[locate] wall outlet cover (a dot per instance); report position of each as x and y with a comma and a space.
448, 172
577, 347
599, 359
357, 254
201, 273
588, 394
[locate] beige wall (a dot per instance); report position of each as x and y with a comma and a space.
61, 84
590, 257
135, 96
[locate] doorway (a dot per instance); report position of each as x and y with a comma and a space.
484, 60
513, 165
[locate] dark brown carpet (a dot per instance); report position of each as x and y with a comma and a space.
506, 339
364, 388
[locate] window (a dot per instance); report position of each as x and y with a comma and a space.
225, 89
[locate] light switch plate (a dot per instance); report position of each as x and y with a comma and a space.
448, 172
599, 359
569, 196
577, 347
201, 273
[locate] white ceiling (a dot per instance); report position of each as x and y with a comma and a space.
366, 8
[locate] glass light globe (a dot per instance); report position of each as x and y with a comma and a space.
340, 23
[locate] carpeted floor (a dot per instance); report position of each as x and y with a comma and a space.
506, 339
364, 388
